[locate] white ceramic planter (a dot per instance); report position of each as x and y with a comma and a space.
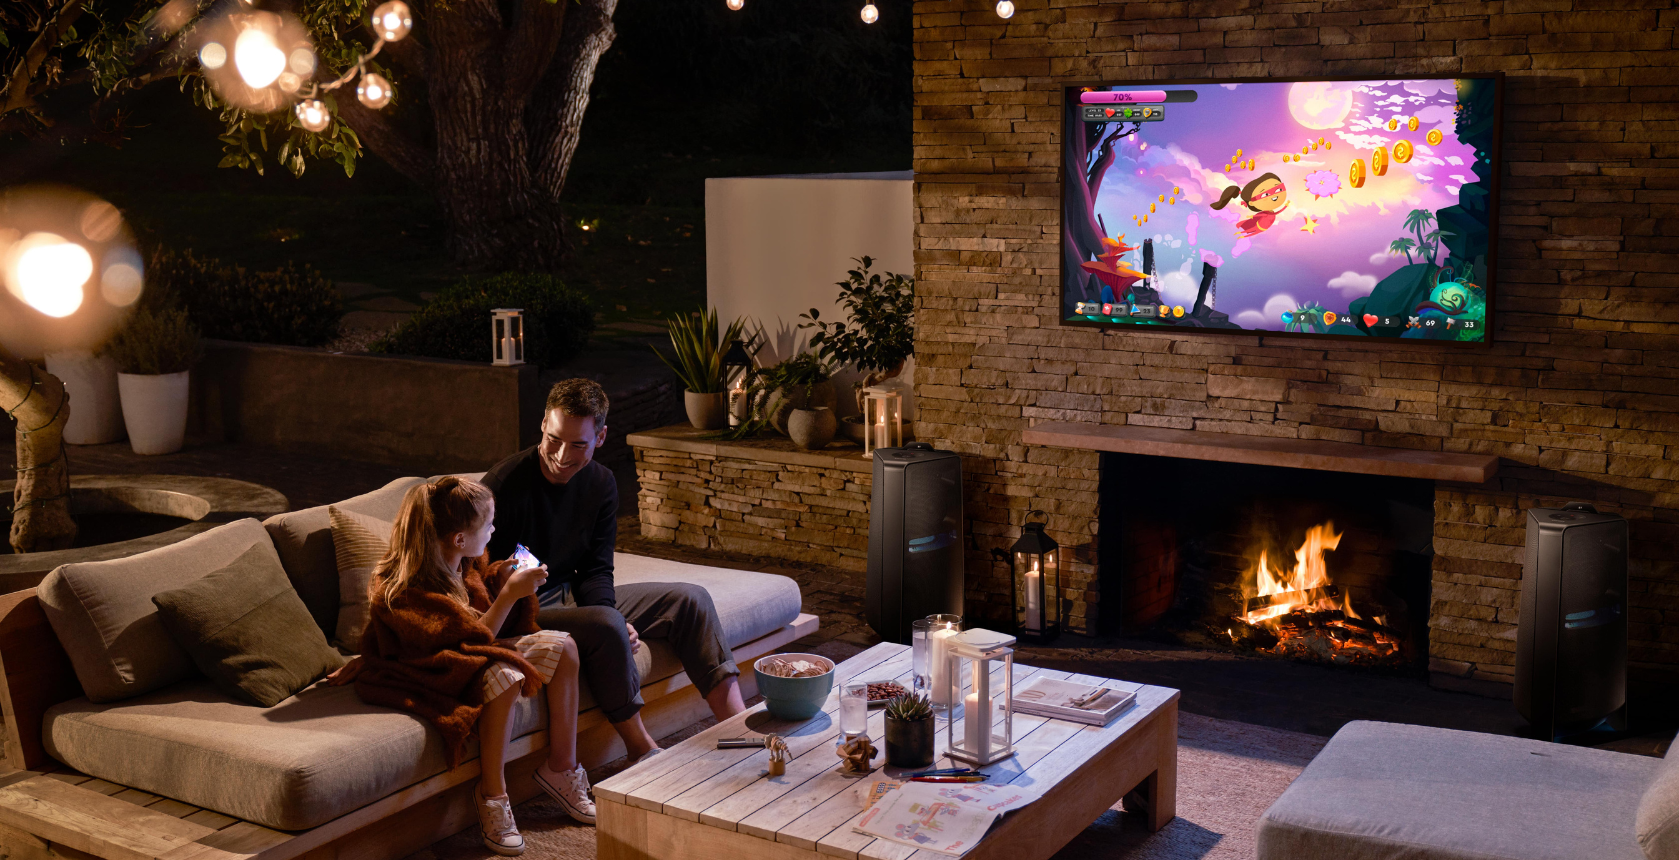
95, 407
154, 408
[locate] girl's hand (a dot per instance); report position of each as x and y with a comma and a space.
524, 583
346, 673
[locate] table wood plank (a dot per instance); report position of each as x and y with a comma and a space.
621, 786
93, 822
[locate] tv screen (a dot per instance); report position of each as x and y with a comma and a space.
1319, 208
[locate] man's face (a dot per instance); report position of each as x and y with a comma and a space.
568, 444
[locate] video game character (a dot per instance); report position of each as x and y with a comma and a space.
1265, 195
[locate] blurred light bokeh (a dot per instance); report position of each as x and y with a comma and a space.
69, 269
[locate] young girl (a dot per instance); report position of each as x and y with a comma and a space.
1265, 196
437, 607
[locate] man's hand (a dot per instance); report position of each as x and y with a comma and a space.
346, 673
635, 639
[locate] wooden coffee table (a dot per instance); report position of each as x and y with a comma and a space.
701, 803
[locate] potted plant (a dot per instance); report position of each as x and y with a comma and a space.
155, 352
909, 731
90, 376
697, 361
878, 335
803, 382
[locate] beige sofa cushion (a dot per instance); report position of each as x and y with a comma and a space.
103, 615
358, 543
304, 541
1658, 810
1385, 791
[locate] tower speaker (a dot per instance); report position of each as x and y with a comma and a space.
915, 538
1571, 644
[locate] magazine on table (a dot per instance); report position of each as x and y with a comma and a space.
949, 818
1091, 704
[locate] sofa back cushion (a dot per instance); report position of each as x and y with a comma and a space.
103, 615
1658, 810
246, 629
359, 542
304, 542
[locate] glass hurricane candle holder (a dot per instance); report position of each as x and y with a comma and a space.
992, 698
507, 336
928, 637
883, 419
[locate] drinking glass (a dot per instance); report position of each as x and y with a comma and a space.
854, 708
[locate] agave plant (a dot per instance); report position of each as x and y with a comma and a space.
699, 348
909, 707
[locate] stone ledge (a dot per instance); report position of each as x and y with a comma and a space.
843, 456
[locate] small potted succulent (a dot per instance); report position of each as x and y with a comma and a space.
909, 731
697, 361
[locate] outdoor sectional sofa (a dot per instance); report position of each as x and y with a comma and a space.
178, 769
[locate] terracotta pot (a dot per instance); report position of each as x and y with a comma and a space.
154, 409
785, 400
811, 429
707, 411
909, 743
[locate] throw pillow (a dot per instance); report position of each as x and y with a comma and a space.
360, 542
245, 627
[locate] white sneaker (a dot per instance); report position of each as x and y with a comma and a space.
570, 789
644, 756
495, 824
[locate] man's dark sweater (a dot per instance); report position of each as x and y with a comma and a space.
545, 517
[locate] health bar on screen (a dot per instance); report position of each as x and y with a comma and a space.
1124, 97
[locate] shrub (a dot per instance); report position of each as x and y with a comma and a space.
156, 341
456, 324
292, 305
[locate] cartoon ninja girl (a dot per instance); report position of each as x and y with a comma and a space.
1265, 196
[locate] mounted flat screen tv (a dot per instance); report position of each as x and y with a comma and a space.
1312, 208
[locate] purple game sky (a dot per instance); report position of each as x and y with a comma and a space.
1284, 267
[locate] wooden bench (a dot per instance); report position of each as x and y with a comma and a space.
48, 811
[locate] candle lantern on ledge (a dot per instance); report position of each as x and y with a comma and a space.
1036, 563
737, 371
507, 336
978, 743
883, 419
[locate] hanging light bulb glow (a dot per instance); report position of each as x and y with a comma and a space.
735, 4
1005, 9
49, 273
312, 115
373, 90
212, 55
258, 59
392, 20
870, 14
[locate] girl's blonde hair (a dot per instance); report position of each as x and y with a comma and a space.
430, 512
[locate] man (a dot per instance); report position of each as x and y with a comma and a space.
562, 506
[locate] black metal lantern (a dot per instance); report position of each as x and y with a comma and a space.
737, 358
1036, 563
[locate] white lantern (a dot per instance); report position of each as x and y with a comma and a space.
883, 419
979, 743
507, 333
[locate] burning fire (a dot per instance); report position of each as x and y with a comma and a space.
1306, 586
1302, 606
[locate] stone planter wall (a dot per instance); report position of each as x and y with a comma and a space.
762, 497
1579, 395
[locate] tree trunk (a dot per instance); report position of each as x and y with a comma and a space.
507, 84
41, 501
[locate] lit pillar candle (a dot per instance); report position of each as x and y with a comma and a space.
880, 431
507, 349
976, 716
1034, 604
940, 668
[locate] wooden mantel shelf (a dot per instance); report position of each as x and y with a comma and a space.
1265, 451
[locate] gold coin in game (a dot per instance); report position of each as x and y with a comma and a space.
1297, 158
1393, 124
1355, 173
1328, 317
1329, 144
1177, 311
1162, 198
1322, 142
1176, 190
1305, 149
1250, 164
1434, 137
1227, 168
1402, 152
1151, 207
1379, 161
1238, 153
1412, 124
1172, 202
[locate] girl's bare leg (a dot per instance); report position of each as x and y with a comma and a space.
495, 730
562, 710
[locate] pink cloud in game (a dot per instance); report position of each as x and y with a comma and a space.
1193, 224
1210, 257
1430, 87
1241, 245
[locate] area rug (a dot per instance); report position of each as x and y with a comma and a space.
1228, 773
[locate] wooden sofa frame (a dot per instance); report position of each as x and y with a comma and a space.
49, 812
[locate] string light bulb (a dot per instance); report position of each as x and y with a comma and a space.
1005, 9
50, 272
870, 14
373, 90
212, 55
735, 5
312, 115
392, 20
258, 59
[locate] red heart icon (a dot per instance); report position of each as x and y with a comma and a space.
1369, 320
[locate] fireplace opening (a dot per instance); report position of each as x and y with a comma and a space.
1293, 563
